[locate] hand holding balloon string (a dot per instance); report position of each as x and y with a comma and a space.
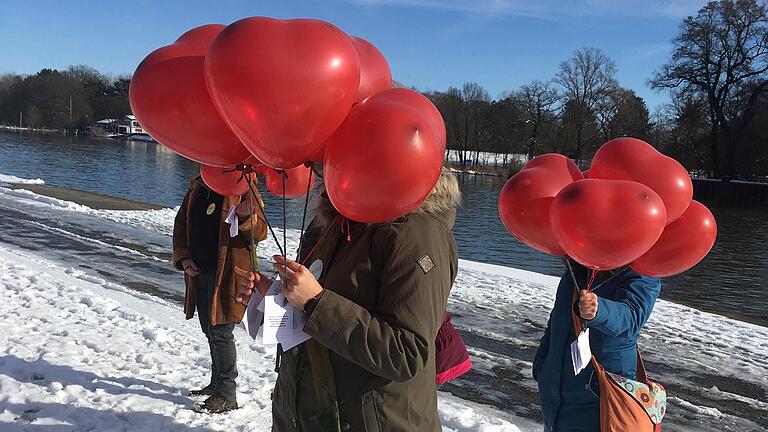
587, 305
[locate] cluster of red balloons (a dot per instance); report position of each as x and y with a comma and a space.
283, 93
634, 206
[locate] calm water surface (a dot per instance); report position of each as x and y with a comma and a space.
732, 280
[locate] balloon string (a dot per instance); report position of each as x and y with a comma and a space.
623, 269
576, 283
320, 240
243, 169
264, 215
251, 198
592, 276
583, 324
573, 275
285, 227
304, 216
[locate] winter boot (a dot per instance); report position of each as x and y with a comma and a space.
217, 404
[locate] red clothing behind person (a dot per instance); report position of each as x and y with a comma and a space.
452, 356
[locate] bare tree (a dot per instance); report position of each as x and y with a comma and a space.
721, 56
450, 105
475, 97
627, 115
538, 99
588, 80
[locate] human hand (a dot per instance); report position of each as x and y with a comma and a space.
190, 267
587, 305
252, 281
299, 284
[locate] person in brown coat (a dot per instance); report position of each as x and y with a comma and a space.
373, 316
213, 262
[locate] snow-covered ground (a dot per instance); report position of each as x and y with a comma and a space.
81, 353
82, 349
486, 158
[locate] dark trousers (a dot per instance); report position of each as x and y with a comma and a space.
221, 341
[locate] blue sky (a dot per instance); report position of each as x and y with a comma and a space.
431, 44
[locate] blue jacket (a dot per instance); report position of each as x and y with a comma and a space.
569, 402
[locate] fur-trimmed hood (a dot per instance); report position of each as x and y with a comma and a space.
442, 201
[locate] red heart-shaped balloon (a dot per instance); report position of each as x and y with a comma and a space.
606, 224
296, 181
224, 181
684, 243
283, 86
384, 160
526, 198
375, 75
421, 103
169, 97
633, 159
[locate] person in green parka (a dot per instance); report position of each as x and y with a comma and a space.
373, 316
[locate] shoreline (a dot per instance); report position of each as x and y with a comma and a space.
98, 201
93, 200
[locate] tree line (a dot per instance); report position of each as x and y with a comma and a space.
71, 99
716, 123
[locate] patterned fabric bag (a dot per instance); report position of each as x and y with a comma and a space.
629, 405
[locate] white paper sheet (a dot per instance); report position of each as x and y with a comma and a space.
253, 316
276, 320
283, 323
233, 221
581, 353
274, 289
254, 313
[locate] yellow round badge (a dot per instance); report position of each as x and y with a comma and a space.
211, 208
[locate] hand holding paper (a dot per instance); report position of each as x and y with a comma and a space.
250, 282
301, 284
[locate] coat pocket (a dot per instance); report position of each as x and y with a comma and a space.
238, 274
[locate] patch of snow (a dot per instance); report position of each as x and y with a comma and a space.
710, 412
18, 180
160, 220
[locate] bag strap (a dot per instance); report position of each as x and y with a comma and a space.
642, 376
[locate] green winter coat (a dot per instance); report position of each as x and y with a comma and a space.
387, 286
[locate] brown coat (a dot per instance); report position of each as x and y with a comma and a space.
234, 257
386, 291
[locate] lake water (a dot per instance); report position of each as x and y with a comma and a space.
732, 280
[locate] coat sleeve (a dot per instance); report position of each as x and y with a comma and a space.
255, 222
631, 308
180, 245
395, 342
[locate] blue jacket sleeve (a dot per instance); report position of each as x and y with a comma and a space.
631, 308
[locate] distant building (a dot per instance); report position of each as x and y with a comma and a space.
125, 125
102, 128
128, 125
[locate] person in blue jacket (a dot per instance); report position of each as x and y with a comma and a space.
615, 312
